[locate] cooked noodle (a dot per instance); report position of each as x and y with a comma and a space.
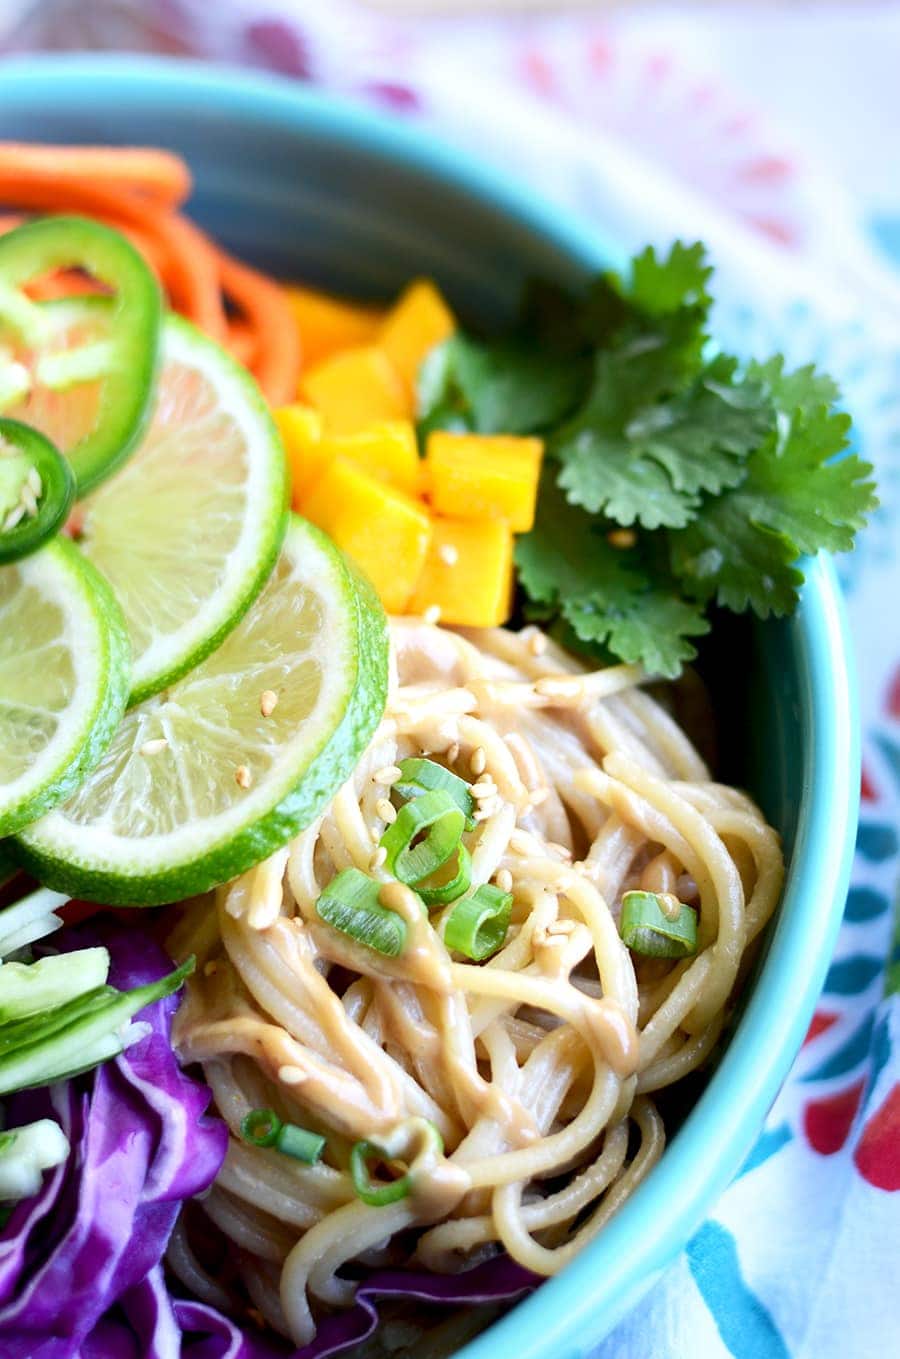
535, 1066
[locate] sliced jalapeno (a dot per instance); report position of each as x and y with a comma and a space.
82, 374
37, 487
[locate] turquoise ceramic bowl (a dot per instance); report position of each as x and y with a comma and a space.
330, 192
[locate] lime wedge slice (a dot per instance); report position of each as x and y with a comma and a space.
64, 678
188, 531
198, 783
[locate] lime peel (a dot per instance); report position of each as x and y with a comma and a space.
64, 677
189, 531
317, 636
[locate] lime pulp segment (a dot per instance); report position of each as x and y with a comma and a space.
188, 531
199, 783
64, 678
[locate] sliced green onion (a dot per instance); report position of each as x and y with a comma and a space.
263, 1128
420, 776
350, 904
393, 1146
477, 925
375, 1195
437, 818
647, 929
449, 882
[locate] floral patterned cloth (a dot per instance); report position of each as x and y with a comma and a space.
619, 120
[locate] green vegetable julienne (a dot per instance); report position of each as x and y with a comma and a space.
724, 474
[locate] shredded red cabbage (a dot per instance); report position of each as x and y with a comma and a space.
141, 1143
80, 1263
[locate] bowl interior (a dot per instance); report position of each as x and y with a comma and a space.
336, 196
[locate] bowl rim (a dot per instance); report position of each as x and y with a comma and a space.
609, 1275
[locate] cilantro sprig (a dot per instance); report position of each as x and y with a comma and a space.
721, 475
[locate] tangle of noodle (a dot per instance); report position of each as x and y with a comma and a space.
536, 1065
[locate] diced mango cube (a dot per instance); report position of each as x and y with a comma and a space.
354, 389
385, 532
387, 450
418, 321
468, 573
484, 476
330, 324
300, 428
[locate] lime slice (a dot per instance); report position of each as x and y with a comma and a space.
64, 676
188, 531
198, 783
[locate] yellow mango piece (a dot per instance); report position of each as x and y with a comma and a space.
484, 476
468, 573
388, 451
330, 324
418, 321
385, 532
300, 428
354, 389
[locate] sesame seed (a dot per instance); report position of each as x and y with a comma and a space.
388, 775
378, 858
537, 644
291, 1075
505, 880
559, 849
432, 614
453, 753
538, 796
448, 554
211, 969
386, 810
242, 776
487, 788
483, 813
521, 842
268, 702
622, 537
153, 747
478, 762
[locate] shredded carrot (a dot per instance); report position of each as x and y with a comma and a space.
157, 175
136, 190
242, 341
264, 305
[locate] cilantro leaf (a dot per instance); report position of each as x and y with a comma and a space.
799, 496
730, 473
642, 460
658, 286
507, 386
603, 593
